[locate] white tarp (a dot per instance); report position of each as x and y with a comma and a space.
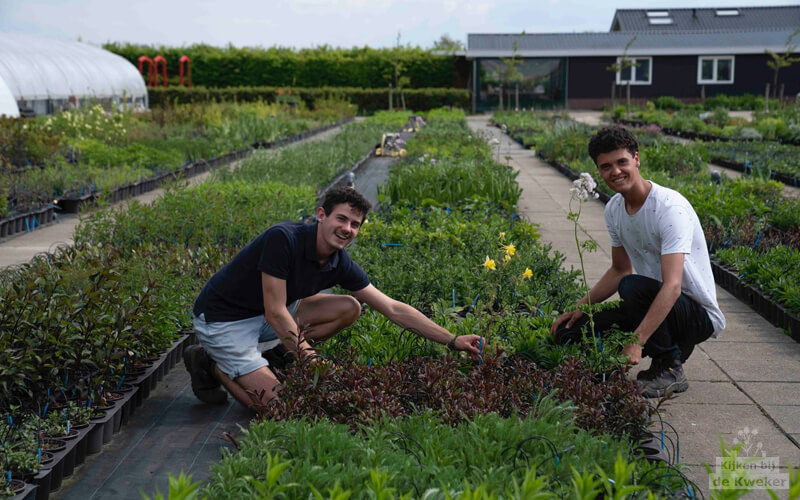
38, 68
8, 105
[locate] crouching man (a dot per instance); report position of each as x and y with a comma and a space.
269, 294
671, 303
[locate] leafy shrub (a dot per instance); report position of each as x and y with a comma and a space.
677, 159
668, 102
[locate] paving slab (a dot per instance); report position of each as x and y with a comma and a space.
762, 370
700, 367
743, 351
787, 416
718, 392
773, 393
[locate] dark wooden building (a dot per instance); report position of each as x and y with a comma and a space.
685, 53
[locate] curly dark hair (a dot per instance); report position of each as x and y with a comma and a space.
343, 194
611, 138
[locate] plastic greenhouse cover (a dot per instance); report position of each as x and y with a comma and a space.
37, 68
8, 105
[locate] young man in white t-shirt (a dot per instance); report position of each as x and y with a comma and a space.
671, 301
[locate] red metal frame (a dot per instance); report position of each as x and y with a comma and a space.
151, 74
156, 60
185, 59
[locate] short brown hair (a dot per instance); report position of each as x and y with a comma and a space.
612, 138
343, 194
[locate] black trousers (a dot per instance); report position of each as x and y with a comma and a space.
686, 325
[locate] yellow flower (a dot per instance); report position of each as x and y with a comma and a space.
502, 235
489, 264
506, 257
510, 249
528, 273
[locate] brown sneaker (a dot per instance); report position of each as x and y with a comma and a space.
201, 368
670, 380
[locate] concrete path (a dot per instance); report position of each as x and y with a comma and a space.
20, 249
744, 385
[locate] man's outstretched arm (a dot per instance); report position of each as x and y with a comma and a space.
411, 319
278, 316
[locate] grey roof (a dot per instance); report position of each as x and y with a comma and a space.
613, 44
697, 19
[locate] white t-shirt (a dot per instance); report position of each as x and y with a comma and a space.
666, 224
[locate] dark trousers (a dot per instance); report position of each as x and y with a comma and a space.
686, 325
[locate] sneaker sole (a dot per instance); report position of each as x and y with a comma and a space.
673, 388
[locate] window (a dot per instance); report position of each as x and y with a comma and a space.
636, 71
658, 17
727, 12
716, 69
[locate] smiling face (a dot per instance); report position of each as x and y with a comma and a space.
620, 170
337, 229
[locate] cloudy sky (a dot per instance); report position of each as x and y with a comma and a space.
308, 23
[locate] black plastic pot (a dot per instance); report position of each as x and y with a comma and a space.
28, 492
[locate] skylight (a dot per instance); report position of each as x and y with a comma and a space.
657, 13
727, 12
660, 20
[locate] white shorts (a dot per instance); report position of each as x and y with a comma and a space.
236, 346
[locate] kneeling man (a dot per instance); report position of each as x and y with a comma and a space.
671, 303
269, 295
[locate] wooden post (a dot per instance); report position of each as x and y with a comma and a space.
516, 97
780, 103
702, 93
613, 94
500, 89
391, 100
766, 99
628, 98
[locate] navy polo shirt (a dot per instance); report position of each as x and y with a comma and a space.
287, 251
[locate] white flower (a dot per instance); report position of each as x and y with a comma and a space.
495, 141
583, 187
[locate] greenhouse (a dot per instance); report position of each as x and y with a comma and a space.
45, 75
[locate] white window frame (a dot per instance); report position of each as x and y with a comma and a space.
649, 81
716, 60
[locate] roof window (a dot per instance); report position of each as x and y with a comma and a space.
657, 13
727, 12
660, 20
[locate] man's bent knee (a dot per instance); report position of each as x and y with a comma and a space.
352, 310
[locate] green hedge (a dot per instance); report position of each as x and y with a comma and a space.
316, 67
367, 100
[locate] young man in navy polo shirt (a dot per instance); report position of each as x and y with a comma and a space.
269, 293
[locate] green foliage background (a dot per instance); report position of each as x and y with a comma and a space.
315, 67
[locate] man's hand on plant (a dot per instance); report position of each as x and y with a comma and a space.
634, 353
570, 317
474, 345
